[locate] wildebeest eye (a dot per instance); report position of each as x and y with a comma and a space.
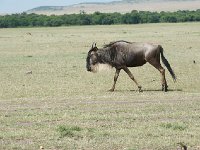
94, 57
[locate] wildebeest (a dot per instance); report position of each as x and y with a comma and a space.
123, 54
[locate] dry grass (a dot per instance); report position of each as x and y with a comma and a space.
46, 93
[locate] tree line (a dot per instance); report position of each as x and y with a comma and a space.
97, 18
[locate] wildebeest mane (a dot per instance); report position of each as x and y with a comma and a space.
112, 43
109, 54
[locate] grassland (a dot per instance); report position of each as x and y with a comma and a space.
48, 99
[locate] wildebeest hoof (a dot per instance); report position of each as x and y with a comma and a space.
111, 90
164, 88
140, 89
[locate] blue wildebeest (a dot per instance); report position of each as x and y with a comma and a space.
123, 54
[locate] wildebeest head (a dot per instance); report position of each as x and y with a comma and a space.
92, 59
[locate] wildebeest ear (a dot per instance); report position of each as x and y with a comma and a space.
95, 45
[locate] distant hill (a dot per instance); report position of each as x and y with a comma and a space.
120, 6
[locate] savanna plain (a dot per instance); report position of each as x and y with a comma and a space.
49, 101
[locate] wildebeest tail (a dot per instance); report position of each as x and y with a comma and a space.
166, 63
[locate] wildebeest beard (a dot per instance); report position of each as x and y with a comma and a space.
100, 67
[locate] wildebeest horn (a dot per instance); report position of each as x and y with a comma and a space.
94, 45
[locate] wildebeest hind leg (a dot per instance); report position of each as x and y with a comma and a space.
115, 80
164, 82
158, 66
132, 77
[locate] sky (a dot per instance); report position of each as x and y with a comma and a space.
18, 6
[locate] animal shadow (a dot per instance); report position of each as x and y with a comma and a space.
159, 90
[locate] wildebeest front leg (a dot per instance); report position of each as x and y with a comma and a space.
132, 77
115, 80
